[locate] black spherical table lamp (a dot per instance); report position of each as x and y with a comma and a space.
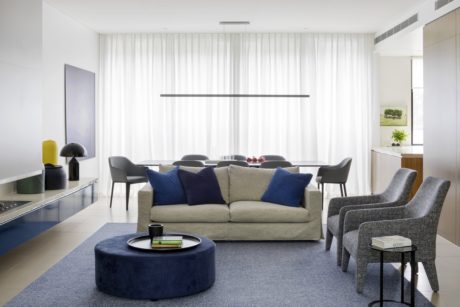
73, 150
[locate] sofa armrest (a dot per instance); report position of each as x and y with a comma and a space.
144, 205
312, 202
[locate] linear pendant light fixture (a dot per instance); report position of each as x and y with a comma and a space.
235, 95
235, 23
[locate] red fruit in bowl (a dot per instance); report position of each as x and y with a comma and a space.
261, 159
254, 159
248, 159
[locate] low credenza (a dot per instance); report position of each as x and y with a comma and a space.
43, 211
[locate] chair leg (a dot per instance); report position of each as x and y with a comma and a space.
322, 195
345, 190
329, 237
361, 271
127, 195
111, 194
341, 190
345, 259
339, 249
430, 269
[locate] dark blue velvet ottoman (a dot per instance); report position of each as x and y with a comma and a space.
126, 272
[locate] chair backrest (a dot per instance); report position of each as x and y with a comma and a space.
239, 157
224, 163
117, 163
273, 158
427, 202
195, 157
400, 186
189, 163
335, 173
275, 164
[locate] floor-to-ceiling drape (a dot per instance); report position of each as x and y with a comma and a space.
334, 69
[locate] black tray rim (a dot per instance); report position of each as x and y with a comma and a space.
184, 235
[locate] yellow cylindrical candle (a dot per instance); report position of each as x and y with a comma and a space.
49, 152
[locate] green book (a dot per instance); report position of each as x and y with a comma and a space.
167, 240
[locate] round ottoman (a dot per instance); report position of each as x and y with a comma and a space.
130, 273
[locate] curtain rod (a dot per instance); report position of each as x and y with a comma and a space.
236, 95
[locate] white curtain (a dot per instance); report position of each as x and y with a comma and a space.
334, 123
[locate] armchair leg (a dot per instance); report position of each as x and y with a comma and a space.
127, 195
430, 269
345, 190
341, 190
361, 270
111, 194
329, 237
345, 259
339, 250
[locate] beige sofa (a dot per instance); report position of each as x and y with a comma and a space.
244, 217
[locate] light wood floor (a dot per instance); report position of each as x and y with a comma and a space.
21, 266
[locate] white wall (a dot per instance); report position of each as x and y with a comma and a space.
20, 88
65, 41
395, 90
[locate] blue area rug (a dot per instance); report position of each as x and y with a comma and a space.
247, 274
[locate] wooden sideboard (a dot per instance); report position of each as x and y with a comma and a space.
387, 160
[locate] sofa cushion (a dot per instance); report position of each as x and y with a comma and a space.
286, 188
202, 187
221, 174
167, 187
183, 213
248, 183
262, 212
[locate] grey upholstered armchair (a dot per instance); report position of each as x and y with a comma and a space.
194, 163
273, 158
124, 171
275, 164
418, 220
396, 194
337, 174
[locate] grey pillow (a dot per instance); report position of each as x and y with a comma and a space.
249, 183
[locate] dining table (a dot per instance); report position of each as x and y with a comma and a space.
310, 163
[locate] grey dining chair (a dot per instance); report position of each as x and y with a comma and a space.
124, 171
194, 163
337, 174
239, 157
275, 164
224, 163
273, 158
396, 194
195, 157
417, 220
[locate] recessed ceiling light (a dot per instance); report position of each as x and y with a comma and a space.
235, 23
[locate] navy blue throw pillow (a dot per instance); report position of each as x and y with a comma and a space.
286, 188
202, 187
167, 187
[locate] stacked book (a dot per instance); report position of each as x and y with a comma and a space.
167, 242
388, 242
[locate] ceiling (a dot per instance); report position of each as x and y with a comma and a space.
118, 16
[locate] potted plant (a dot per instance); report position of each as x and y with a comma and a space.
398, 136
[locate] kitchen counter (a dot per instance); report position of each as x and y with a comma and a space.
401, 151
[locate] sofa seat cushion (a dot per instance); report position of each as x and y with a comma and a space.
262, 212
209, 213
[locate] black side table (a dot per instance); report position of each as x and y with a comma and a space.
402, 251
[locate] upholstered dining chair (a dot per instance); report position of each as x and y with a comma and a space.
396, 194
275, 164
224, 163
124, 171
195, 163
195, 157
273, 158
239, 157
417, 220
337, 174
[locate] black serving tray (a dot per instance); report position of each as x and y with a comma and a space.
143, 243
